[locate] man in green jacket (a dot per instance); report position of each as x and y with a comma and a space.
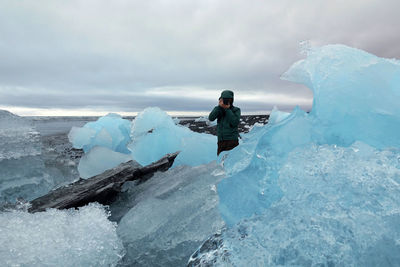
228, 118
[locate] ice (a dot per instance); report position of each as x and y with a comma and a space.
155, 134
354, 100
110, 131
321, 188
206, 120
340, 207
98, 160
18, 137
172, 214
22, 170
356, 95
104, 142
148, 138
83, 237
277, 116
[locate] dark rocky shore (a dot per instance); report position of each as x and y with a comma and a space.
246, 122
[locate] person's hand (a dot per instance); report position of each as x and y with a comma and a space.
222, 105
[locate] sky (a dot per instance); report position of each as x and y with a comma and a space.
92, 57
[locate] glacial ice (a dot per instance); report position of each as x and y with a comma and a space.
110, 131
23, 173
18, 137
151, 135
340, 207
83, 237
155, 134
321, 188
98, 160
171, 215
277, 116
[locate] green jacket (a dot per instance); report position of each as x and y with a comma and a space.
228, 121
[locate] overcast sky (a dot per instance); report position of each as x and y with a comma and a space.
85, 57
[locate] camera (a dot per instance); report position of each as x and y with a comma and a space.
226, 101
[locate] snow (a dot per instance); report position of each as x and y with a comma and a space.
321, 188
83, 237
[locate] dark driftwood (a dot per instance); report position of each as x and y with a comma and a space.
101, 188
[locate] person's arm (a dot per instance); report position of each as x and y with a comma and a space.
215, 113
233, 117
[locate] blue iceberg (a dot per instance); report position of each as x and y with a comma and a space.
355, 99
155, 134
321, 188
110, 131
112, 140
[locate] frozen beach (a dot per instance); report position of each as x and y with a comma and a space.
319, 188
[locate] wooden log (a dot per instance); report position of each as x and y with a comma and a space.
101, 188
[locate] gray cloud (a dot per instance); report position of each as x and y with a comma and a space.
102, 54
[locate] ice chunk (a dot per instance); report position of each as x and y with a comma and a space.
22, 170
83, 237
277, 116
356, 95
154, 134
172, 214
98, 160
18, 137
110, 131
356, 98
206, 120
340, 207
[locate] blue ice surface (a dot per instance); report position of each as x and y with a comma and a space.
108, 141
155, 134
356, 96
110, 131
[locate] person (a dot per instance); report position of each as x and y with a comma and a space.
228, 118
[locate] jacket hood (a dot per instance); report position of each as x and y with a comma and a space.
227, 94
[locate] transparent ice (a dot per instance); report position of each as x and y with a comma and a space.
83, 237
22, 169
18, 137
98, 160
172, 214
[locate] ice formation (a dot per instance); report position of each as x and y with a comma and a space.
98, 160
110, 131
83, 237
18, 137
277, 116
22, 170
172, 214
148, 138
104, 142
155, 134
321, 188
340, 207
